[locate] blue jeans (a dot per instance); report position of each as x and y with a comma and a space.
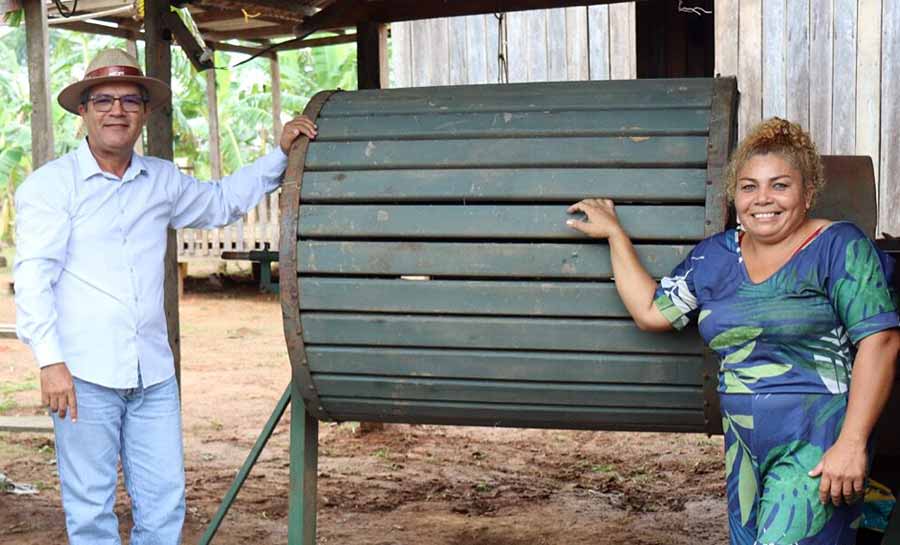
142, 426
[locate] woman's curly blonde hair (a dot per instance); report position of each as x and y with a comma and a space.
789, 141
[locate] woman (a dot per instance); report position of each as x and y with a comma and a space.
790, 303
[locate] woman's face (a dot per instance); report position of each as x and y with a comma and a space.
770, 198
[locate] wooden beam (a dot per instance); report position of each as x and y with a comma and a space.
387, 11
189, 44
212, 101
159, 143
38, 38
276, 97
260, 32
371, 56
103, 30
131, 48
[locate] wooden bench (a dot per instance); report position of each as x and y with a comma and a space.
261, 262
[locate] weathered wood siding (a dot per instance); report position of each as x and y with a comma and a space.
596, 42
827, 64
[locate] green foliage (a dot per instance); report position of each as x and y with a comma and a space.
244, 102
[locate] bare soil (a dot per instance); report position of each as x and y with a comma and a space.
422, 485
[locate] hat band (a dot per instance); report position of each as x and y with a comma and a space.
107, 71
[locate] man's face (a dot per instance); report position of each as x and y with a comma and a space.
113, 132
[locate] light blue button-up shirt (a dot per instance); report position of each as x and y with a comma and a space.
89, 258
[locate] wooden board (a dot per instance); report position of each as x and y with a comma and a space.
750, 65
514, 415
554, 96
797, 65
513, 260
505, 391
868, 82
675, 122
727, 31
821, 63
508, 365
598, 42
484, 222
31, 424
890, 119
492, 333
843, 117
574, 299
662, 151
774, 69
499, 185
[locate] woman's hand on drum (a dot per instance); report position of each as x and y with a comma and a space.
843, 473
602, 221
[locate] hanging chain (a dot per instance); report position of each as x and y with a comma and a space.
502, 49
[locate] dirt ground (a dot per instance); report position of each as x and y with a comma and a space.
422, 485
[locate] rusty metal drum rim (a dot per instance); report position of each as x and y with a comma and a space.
287, 265
722, 140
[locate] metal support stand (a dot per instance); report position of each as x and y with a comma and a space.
304, 460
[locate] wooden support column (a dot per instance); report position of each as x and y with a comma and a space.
212, 101
131, 48
38, 38
215, 152
371, 56
159, 144
276, 96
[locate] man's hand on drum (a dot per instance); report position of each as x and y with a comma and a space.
602, 221
300, 125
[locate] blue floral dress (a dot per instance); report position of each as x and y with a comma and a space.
786, 347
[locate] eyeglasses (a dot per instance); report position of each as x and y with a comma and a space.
130, 103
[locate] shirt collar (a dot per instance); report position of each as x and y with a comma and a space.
87, 164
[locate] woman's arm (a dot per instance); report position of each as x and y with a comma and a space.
635, 285
843, 466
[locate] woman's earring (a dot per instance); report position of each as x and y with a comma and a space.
739, 226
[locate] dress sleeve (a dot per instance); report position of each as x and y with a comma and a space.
676, 295
858, 284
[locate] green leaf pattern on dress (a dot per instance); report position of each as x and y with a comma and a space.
854, 296
790, 495
748, 488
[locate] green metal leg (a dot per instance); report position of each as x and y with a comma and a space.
304, 464
248, 465
265, 278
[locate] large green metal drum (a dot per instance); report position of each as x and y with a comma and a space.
428, 276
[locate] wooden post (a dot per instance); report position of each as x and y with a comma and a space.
159, 144
371, 56
212, 101
39, 82
131, 48
276, 96
268, 208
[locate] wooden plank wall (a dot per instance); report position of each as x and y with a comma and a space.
580, 43
827, 64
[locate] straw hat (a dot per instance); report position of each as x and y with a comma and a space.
114, 66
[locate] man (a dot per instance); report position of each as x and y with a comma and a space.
91, 238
